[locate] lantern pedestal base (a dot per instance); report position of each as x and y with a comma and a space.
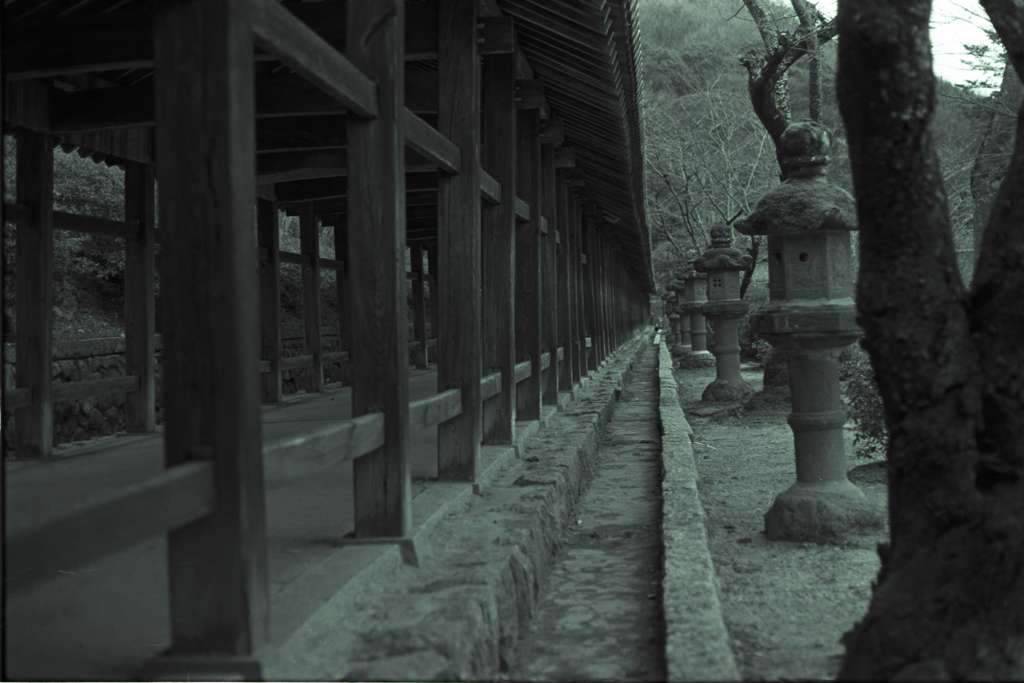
821, 512
721, 391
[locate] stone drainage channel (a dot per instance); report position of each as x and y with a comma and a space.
599, 616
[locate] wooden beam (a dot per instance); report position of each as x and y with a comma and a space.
298, 46
33, 293
106, 524
297, 362
523, 371
497, 36
217, 566
498, 263
490, 386
530, 97
432, 144
459, 325
490, 188
309, 242
528, 271
318, 450
376, 247
436, 409
522, 209
88, 224
72, 391
268, 230
139, 296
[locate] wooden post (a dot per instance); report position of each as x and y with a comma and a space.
34, 295
606, 341
376, 246
458, 338
268, 233
499, 242
549, 303
579, 360
419, 307
309, 246
205, 115
343, 284
565, 284
528, 268
590, 283
139, 302
432, 279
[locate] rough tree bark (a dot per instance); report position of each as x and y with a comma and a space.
949, 598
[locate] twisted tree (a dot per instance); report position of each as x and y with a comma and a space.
949, 598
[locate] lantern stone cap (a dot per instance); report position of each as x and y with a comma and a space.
721, 255
806, 201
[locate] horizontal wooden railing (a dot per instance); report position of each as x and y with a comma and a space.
545, 360
69, 391
522, 210
561, 353
109, 523
490, 386
304, 360
428, 141
523, 371
490, 188
433, 410
316, 450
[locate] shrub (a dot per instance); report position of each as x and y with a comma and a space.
871, 437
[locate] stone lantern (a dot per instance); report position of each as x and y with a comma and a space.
692, 303
810, 313
723, 263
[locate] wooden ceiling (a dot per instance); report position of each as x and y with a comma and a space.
93, 58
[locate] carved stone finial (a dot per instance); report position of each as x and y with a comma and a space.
721, 235
721, 255
804, 148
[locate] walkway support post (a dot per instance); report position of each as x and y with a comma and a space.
34, 295
309, 246
459, 326
564, 281
268, 230
139, 301
343, 284
590, 218
419, 309
376, 245
549, 300
499, 243
205, 116
528, 270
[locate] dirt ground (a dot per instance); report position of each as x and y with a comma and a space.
786, 605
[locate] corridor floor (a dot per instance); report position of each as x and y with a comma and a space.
599, 616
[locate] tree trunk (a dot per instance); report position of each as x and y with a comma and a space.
949, 598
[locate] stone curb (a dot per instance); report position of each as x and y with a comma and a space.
481, 560
697, 646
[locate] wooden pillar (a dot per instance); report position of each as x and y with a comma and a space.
594, 258
564, 282
549, 302
205, 115
458, 339
590, 282
499, 242
577, 303
268, 234
139, 301
419, 306
606, 325
376, 246
528, 265
309, 246
343, 284
432, 279
34, 295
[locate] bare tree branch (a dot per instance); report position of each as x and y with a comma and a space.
1007, 17
805, 11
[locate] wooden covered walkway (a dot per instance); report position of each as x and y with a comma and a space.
491, 145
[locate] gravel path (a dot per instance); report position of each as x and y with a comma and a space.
599, 616
786, 605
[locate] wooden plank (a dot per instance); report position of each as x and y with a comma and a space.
419, 308
498, 326
291, 257
490, 188
549, 274
376, 260
523, 371
309, 243
69, 391
490, 386
432, 144
268, 231
317, 450
139, 296
436, 409
106, 524
459, 279
203, 81
88, 224
280, 32
33, 292
528, 269
328, 263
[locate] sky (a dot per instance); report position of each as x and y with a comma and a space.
954, 24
